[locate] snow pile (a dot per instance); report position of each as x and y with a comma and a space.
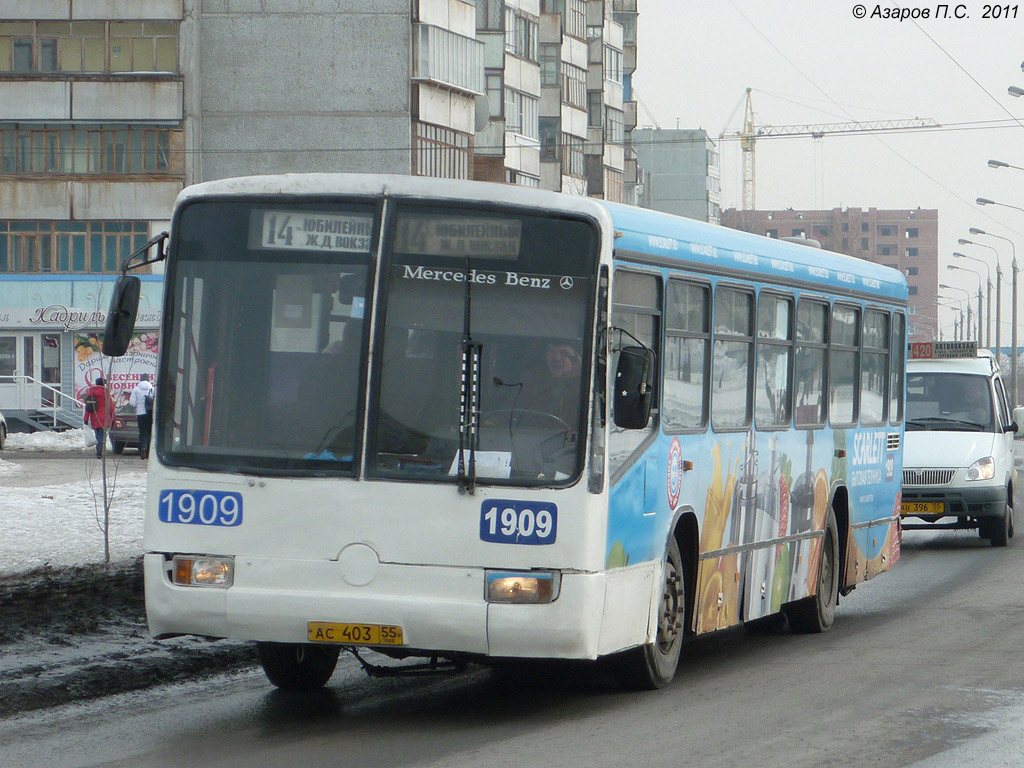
71, 440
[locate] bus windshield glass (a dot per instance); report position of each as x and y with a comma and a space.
486, 312
266, 353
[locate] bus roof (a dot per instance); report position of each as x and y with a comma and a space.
658, 237
669, 240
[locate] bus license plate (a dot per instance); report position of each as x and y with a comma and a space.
922, 508
353, 634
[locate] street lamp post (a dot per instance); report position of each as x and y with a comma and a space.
988, 298
1013, 305
980, 315
963, 333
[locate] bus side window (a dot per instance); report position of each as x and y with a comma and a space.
636, 309
899, 353
809, 377
732, 362
687, 355
772, 391
843, 364
874, 376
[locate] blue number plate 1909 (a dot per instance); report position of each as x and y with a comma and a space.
518, 522
222, 508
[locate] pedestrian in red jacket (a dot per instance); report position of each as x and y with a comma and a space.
99, 412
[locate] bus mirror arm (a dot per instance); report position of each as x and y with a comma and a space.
124, 302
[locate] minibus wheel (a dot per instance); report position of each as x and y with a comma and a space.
298, 666
654, 665
817, 612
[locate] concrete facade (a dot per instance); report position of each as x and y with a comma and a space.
680, 172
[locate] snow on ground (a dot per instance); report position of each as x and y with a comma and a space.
59, 523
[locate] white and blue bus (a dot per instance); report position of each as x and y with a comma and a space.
476, 422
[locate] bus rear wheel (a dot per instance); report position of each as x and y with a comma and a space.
817, 612
298, 666
654, 665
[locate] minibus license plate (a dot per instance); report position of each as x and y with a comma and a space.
353, 634
922, 508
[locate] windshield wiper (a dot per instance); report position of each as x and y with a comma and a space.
934, 421
469, 403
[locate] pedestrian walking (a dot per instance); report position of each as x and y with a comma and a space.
99, 412
142, 398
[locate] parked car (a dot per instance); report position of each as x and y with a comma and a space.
124, 432
3, 431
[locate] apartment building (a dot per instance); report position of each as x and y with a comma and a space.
905, 239
109, 108
680, 171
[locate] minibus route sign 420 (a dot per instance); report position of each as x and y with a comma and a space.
482, 422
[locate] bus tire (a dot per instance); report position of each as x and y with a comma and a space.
652, 666
298, 666
817, 612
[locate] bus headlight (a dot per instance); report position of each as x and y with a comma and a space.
982, 469
522, 587
195, 571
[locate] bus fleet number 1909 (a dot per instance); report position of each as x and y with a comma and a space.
518, 522
221, 508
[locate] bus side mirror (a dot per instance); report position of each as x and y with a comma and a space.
124, 307
634, 387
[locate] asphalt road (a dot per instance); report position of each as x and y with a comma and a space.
923, 664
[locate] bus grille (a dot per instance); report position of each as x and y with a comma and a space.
892, 441
927, 476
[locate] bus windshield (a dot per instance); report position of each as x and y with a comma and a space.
481, 341
266, 354
486, 312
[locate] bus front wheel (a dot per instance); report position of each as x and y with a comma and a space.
298, 666
654, 665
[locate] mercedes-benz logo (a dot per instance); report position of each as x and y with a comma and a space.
566, 283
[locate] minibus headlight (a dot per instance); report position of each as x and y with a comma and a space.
522, 587
196, 571
982, 469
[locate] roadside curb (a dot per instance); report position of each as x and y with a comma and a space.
71, 634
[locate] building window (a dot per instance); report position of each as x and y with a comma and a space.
911, 270
912, 290
489, 15
33, 247
887, 250
886, 231
122, 150
911, 252
445, 57
521, 113
574, 86
595, 109
612, 64
863, 243
911, 232
550, 137
614, 126
863, 226
521, 179
799, 233
88, 46
614, 186
521, 34
772, 233
820, 231
846, 245
440, 152
846, 226
573, 162
550, 58
495, 88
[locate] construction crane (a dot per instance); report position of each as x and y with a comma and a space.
751, 132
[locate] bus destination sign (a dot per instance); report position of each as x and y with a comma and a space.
298, 231
943, 350
430, 235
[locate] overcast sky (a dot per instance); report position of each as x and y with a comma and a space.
812, 61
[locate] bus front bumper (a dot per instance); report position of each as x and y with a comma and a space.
439, 609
